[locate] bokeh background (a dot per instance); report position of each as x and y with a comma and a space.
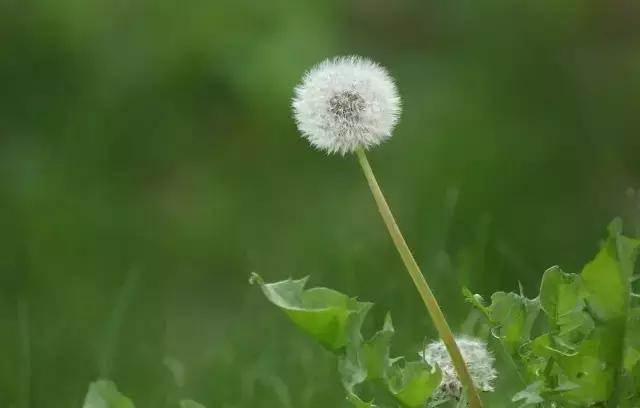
149, 163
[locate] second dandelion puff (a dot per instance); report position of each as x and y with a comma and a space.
479, 362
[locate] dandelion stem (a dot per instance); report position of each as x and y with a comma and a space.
420, 282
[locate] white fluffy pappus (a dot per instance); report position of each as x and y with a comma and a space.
479, 363
345, 103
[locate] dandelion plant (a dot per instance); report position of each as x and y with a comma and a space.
347, 105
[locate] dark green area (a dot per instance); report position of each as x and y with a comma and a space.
149, 163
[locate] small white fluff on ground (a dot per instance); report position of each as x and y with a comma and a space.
345, 103
479, 362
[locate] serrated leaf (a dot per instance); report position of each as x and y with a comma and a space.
560, 295
375, 351
414, 383
105, 394
352, 372
537, 393
628, 249
547, 345
566, 386
324, 314
514, 316
190, 404
358, 403
530, 395
606, 277
562, 302
366, 360
593, 368
605, 283
607, 280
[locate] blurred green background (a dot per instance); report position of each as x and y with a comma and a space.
149, 163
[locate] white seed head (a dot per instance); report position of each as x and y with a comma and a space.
479, 362
345, 103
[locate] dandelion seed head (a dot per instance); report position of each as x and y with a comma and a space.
345, 103
479, 363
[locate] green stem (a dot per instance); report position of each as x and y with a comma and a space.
421, 284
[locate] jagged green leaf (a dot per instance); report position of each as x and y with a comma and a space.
414, 383
105, 394
366, 360
514, 316
548, 345
628, 249
358, 403
607, 280
561, 300
375, 351
352, 371
560, 295
530, 395
325, 314
606, 284
593, 368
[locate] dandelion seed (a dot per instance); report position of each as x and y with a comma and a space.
479, 362
345, 103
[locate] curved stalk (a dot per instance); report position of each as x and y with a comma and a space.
420, 282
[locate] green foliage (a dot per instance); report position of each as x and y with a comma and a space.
577, 344
512, 314
530, 395
414, 383
371, 378
583, 349
324, 314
